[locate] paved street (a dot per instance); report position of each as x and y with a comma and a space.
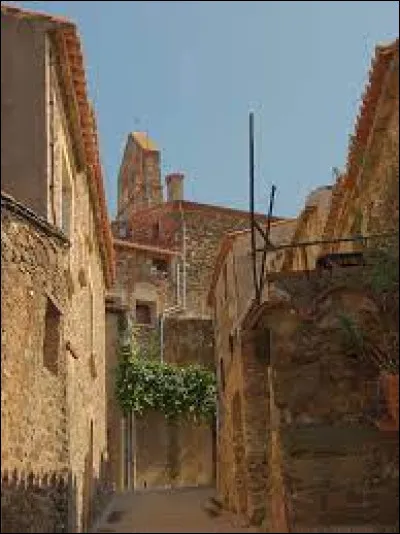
181, 510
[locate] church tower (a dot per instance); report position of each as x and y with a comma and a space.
139, 178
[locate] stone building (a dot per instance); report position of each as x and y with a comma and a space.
165, 251
58, 263
309, 228
231, 294
300, 440
139, 184
298, 420
365, 198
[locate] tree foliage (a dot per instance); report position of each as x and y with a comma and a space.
144, 383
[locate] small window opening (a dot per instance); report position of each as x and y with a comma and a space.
51, 344
143, 313
161, 265
156, 230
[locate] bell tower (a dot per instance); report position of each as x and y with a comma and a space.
139, 178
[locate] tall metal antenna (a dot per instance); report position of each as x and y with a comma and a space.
255, 226
251, 197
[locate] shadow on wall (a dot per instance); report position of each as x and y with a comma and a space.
36, 503
47, 502
97, 490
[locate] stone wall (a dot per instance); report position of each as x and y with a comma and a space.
85, 321
162, 454
177, 454
114, 414
34, 427
205, 226
50, 400
139, 181
337, 469
139, 280
287, 385
189, 340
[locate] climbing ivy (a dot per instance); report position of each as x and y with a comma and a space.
176, 391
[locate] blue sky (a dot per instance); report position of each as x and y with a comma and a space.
190, 72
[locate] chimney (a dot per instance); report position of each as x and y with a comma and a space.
174, 186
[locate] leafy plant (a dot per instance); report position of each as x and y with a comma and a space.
143, 384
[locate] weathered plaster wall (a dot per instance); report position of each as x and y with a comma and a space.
23, 112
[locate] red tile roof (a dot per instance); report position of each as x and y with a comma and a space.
120, 243
380, 67
364, 122
85, 132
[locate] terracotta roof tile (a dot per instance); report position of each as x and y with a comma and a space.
380, 64
364, 122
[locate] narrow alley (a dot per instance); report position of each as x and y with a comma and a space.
180, 510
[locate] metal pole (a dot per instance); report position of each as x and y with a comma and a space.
178, 282
329, 241
162, 337
184, 266
252, 218
267, 239
133, 427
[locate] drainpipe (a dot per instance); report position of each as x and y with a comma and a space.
183, 255
178, 283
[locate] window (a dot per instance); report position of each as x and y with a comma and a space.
51, 343
160, 264
143, 313
156, 230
